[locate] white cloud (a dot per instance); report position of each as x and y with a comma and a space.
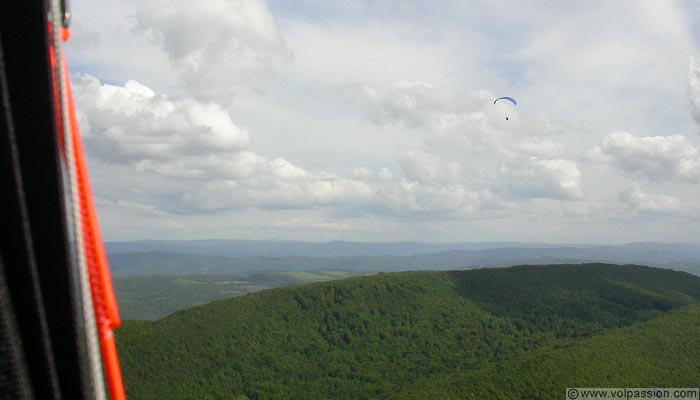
549, 179
694, 87
171, 143
412, 103
196, 153
104, 43
653, 157
539, 147
461, 121
263, 191
201, 161
603, 49
412, 197
133, 123
430, 169
219, 47
464, 141
638, 201
433, 111
330, 53
284, 169
248, 180
362, 173
385, 174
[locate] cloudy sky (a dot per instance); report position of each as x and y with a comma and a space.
374, 120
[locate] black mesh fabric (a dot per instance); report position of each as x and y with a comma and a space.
13, 370
42, 342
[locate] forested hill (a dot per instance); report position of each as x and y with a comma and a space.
519, 332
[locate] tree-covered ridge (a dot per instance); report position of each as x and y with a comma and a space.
661, 352
594, 295
392, 334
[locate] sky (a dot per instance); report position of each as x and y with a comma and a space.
374, 120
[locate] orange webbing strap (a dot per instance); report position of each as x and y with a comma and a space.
104, 301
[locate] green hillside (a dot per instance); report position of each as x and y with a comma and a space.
488, 332
661, 352
156, 296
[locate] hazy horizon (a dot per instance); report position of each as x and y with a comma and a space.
407, 241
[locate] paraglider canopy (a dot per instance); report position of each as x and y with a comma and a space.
512, 100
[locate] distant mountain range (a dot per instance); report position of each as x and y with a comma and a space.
283, 248
241, 257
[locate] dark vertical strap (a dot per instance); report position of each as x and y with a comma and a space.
19, 272
14, 378
26, 41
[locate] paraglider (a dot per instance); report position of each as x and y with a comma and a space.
512, 100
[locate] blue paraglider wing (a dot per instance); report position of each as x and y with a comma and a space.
512, 100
